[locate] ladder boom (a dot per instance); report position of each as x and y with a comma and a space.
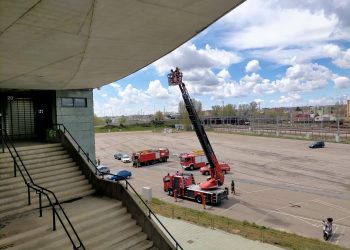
217, 178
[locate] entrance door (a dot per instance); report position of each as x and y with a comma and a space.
19, 118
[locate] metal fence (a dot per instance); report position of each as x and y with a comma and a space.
308, 133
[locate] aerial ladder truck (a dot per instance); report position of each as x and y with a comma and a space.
183, 185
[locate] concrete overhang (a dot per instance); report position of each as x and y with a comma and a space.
77, 44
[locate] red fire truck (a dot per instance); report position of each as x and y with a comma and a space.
149, 156
182, 185
193, 160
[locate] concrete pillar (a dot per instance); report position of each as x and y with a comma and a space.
336, 138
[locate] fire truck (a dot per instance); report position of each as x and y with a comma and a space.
184, 185
193, 160
149, 156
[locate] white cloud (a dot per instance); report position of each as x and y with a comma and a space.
132, 95
342, 82
286, 28
224, 74
156, 89
291, 100
252, 66
268, 23
189, 57
340, 58
258, 100
304, 77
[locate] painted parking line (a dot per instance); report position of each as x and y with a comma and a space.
301, 218
332, 206
259, 190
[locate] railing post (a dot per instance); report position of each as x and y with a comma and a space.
53, 219
29, 200
40, 206
14, 168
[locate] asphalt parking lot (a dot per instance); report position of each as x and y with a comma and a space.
280, 183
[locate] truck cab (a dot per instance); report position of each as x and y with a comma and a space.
193, 161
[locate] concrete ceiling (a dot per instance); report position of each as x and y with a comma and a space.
76, 44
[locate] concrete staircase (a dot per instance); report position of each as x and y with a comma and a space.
101, 223
49, 166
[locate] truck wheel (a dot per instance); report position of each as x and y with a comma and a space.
199, 199
206, 173
170, 192
191, 167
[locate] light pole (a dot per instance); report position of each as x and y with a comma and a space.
222, 119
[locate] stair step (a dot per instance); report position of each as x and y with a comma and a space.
38, 146
22, 206
44, 155
40, 150
93, 231
55, 172
132, 241
143, 245
59, 236
47, 160
46, 164
11, 183
112, 237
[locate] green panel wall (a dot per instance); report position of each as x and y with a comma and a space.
79, 121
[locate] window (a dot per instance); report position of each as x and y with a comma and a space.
67, 102
80, 102
73, 102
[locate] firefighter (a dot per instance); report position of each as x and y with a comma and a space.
233, 191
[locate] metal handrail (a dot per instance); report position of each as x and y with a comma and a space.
150, 212
41, 190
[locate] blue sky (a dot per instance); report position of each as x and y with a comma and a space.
277, 53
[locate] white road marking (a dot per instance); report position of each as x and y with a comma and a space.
332, 205
342, 218
259, 190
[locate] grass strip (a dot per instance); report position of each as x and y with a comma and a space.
246, 229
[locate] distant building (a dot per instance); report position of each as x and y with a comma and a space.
302, 118
207, 113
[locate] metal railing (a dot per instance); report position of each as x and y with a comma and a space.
41, 191
150, 215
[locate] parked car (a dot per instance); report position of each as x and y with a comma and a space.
224, 168
102, 169
120, 175
118, 156
126, 159
317, 144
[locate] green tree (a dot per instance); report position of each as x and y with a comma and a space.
122, 120
253, 106
185, 120
217, 110
244, 110
159, 116
98, 120
108, 120
229, 110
